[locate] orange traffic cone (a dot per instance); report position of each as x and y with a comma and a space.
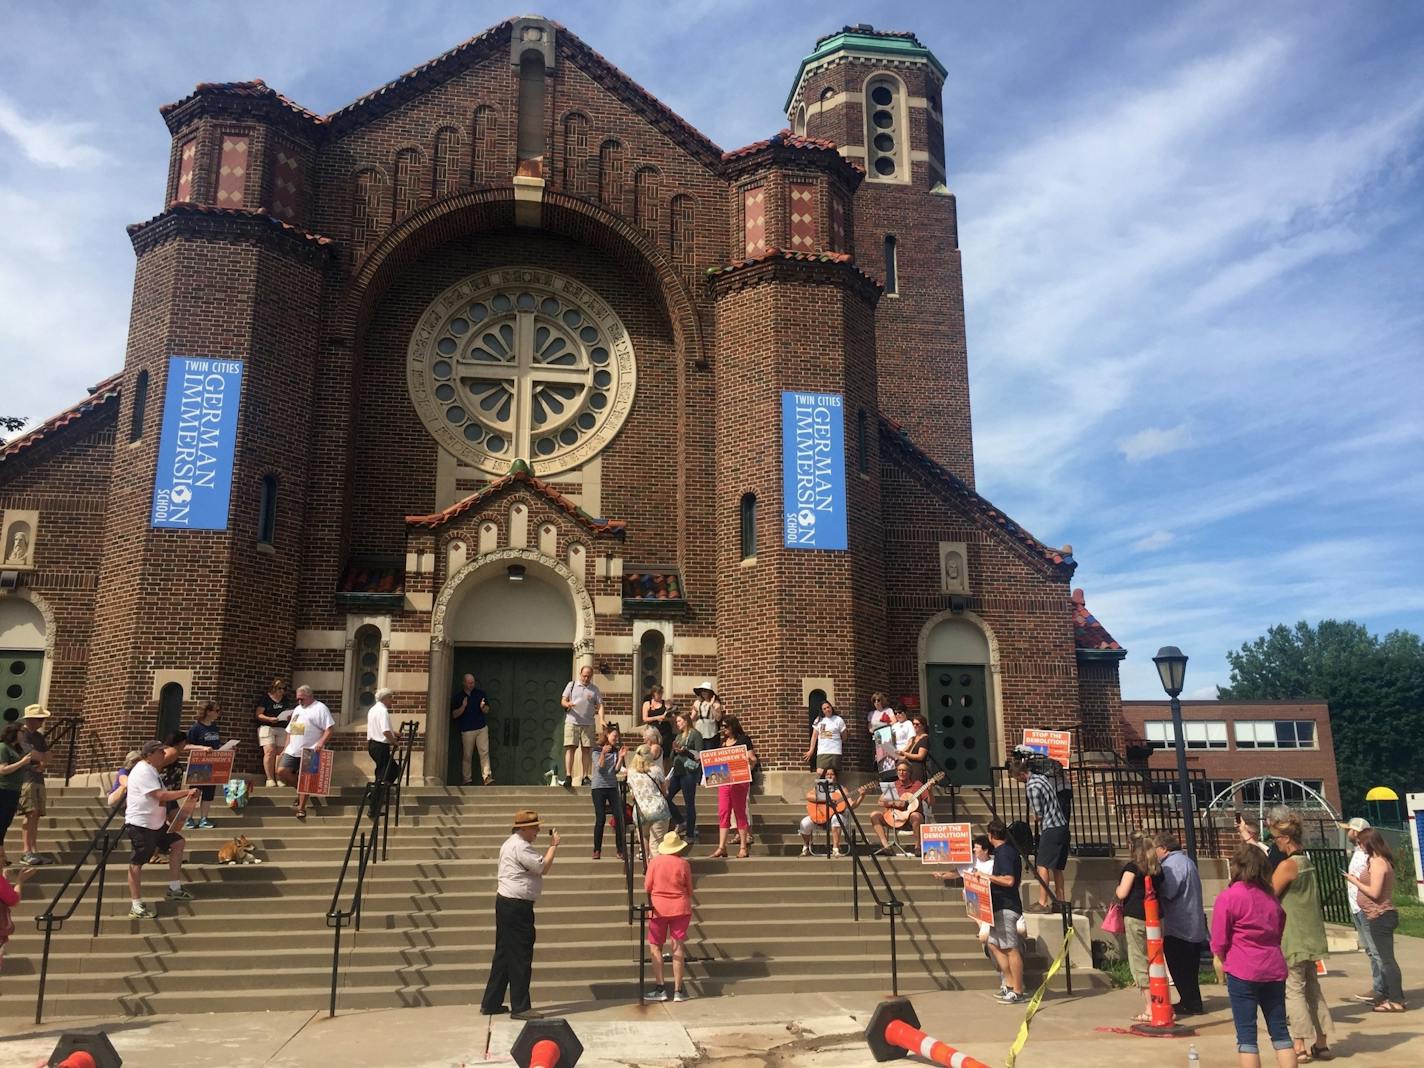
1163, 1020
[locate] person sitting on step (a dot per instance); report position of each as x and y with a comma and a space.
896, 796
824, 803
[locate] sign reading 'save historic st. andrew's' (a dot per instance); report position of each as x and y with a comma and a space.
193, 484
813, 470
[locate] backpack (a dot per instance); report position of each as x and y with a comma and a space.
235, 794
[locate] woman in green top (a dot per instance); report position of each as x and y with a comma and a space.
685, 772
1303, 942
12, 774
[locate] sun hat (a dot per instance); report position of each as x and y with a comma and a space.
526, 817
673, 843
706, 684
1357, 825
36, 712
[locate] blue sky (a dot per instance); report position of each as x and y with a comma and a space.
1192, 242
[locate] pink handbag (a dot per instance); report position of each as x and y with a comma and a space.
1112, 922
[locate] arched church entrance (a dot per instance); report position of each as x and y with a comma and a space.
22, 657
512, 626
959, 699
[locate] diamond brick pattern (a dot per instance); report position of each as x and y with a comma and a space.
754, 224
187, 156
801, 209
288, 189
232, 171
838, 227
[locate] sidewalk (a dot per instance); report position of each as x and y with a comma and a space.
767, 1031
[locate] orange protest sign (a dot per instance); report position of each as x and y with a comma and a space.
726, 767
1056, 745
946, 843
315, 774
208, 767
977, 904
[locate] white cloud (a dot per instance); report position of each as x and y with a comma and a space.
1158, 539
1153, 442
49, 142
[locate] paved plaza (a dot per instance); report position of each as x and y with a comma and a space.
765, 1031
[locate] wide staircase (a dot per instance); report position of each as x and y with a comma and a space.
255, 936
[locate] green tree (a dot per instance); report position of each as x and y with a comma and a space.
1375, 687
9, 423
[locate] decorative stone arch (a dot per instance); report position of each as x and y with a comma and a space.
46, 611
437, 720
478, 210
997, 746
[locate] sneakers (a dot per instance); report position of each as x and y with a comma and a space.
178, 895
1011, 998
270, 782
34, 860
142, 912
205, 824
838, 852
655, 993
682, 995
191, 825
1003, 989
565, 781
805, 851
585, 781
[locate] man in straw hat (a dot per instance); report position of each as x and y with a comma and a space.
707, 710
668, 883
32, 790
521, 880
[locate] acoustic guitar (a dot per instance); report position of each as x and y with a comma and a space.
821, 812
898, 817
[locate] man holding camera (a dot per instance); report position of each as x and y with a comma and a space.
521, 880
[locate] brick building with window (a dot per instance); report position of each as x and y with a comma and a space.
509, 340
1235, 740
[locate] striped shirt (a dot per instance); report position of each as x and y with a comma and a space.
1043, 799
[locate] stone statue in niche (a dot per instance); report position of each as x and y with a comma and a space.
17, 540
954, 570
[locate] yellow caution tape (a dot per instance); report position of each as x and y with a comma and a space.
1037, 999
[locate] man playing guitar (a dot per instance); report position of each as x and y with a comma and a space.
824, 802
903, 803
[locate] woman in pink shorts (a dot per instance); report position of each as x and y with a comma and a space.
732, 797
669, 886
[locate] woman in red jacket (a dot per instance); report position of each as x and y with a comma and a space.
669, 886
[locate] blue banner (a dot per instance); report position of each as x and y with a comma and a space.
813, 471
193, 485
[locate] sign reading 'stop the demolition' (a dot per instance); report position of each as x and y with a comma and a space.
813, 470
193, 484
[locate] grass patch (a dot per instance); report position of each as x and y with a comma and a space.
1120, 972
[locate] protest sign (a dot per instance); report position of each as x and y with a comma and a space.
946, 843
1056, 745
726, 767
314, 777
977, 905
208, 767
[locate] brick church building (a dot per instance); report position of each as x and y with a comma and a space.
505, 367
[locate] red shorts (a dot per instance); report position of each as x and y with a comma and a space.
659, 927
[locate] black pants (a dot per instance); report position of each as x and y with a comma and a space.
513, 963
9, 805
1183, 962
387, 770
607, 801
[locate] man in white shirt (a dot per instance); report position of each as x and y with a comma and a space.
826, 740
381, 742
146, 825
309, 728
1359, 863
583, 709
521, 880
902, 731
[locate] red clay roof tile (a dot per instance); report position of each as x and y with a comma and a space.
101, 395
1088, 633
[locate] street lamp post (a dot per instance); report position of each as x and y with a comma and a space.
1172, 670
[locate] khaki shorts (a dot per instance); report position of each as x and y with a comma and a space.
828, 760
577, 734
32, 799
268, 735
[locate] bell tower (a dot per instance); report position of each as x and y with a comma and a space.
877, 95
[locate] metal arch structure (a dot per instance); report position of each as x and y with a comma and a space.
1230, 791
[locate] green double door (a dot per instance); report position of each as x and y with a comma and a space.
958, 721
526, 721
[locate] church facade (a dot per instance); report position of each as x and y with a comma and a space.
506, 368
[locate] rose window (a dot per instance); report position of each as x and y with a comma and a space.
521, 365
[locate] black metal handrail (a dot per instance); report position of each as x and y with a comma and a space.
56, 731
104, 842
405, 747
619, 817
890, 906
376, 798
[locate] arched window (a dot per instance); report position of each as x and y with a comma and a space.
749, 525
800, 122
886, 133
892, 267
140, 403
170, 709
814, 700
531, 105
267, 511
650, 664
365, 669
862, 442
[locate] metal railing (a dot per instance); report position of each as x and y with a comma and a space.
104, 841
57, 730
376, 798
888, 906
406, 745
1330, 865
1111, 803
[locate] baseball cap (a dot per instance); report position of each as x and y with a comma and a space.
1357, 824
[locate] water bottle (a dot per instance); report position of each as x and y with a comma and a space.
1193, 1058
